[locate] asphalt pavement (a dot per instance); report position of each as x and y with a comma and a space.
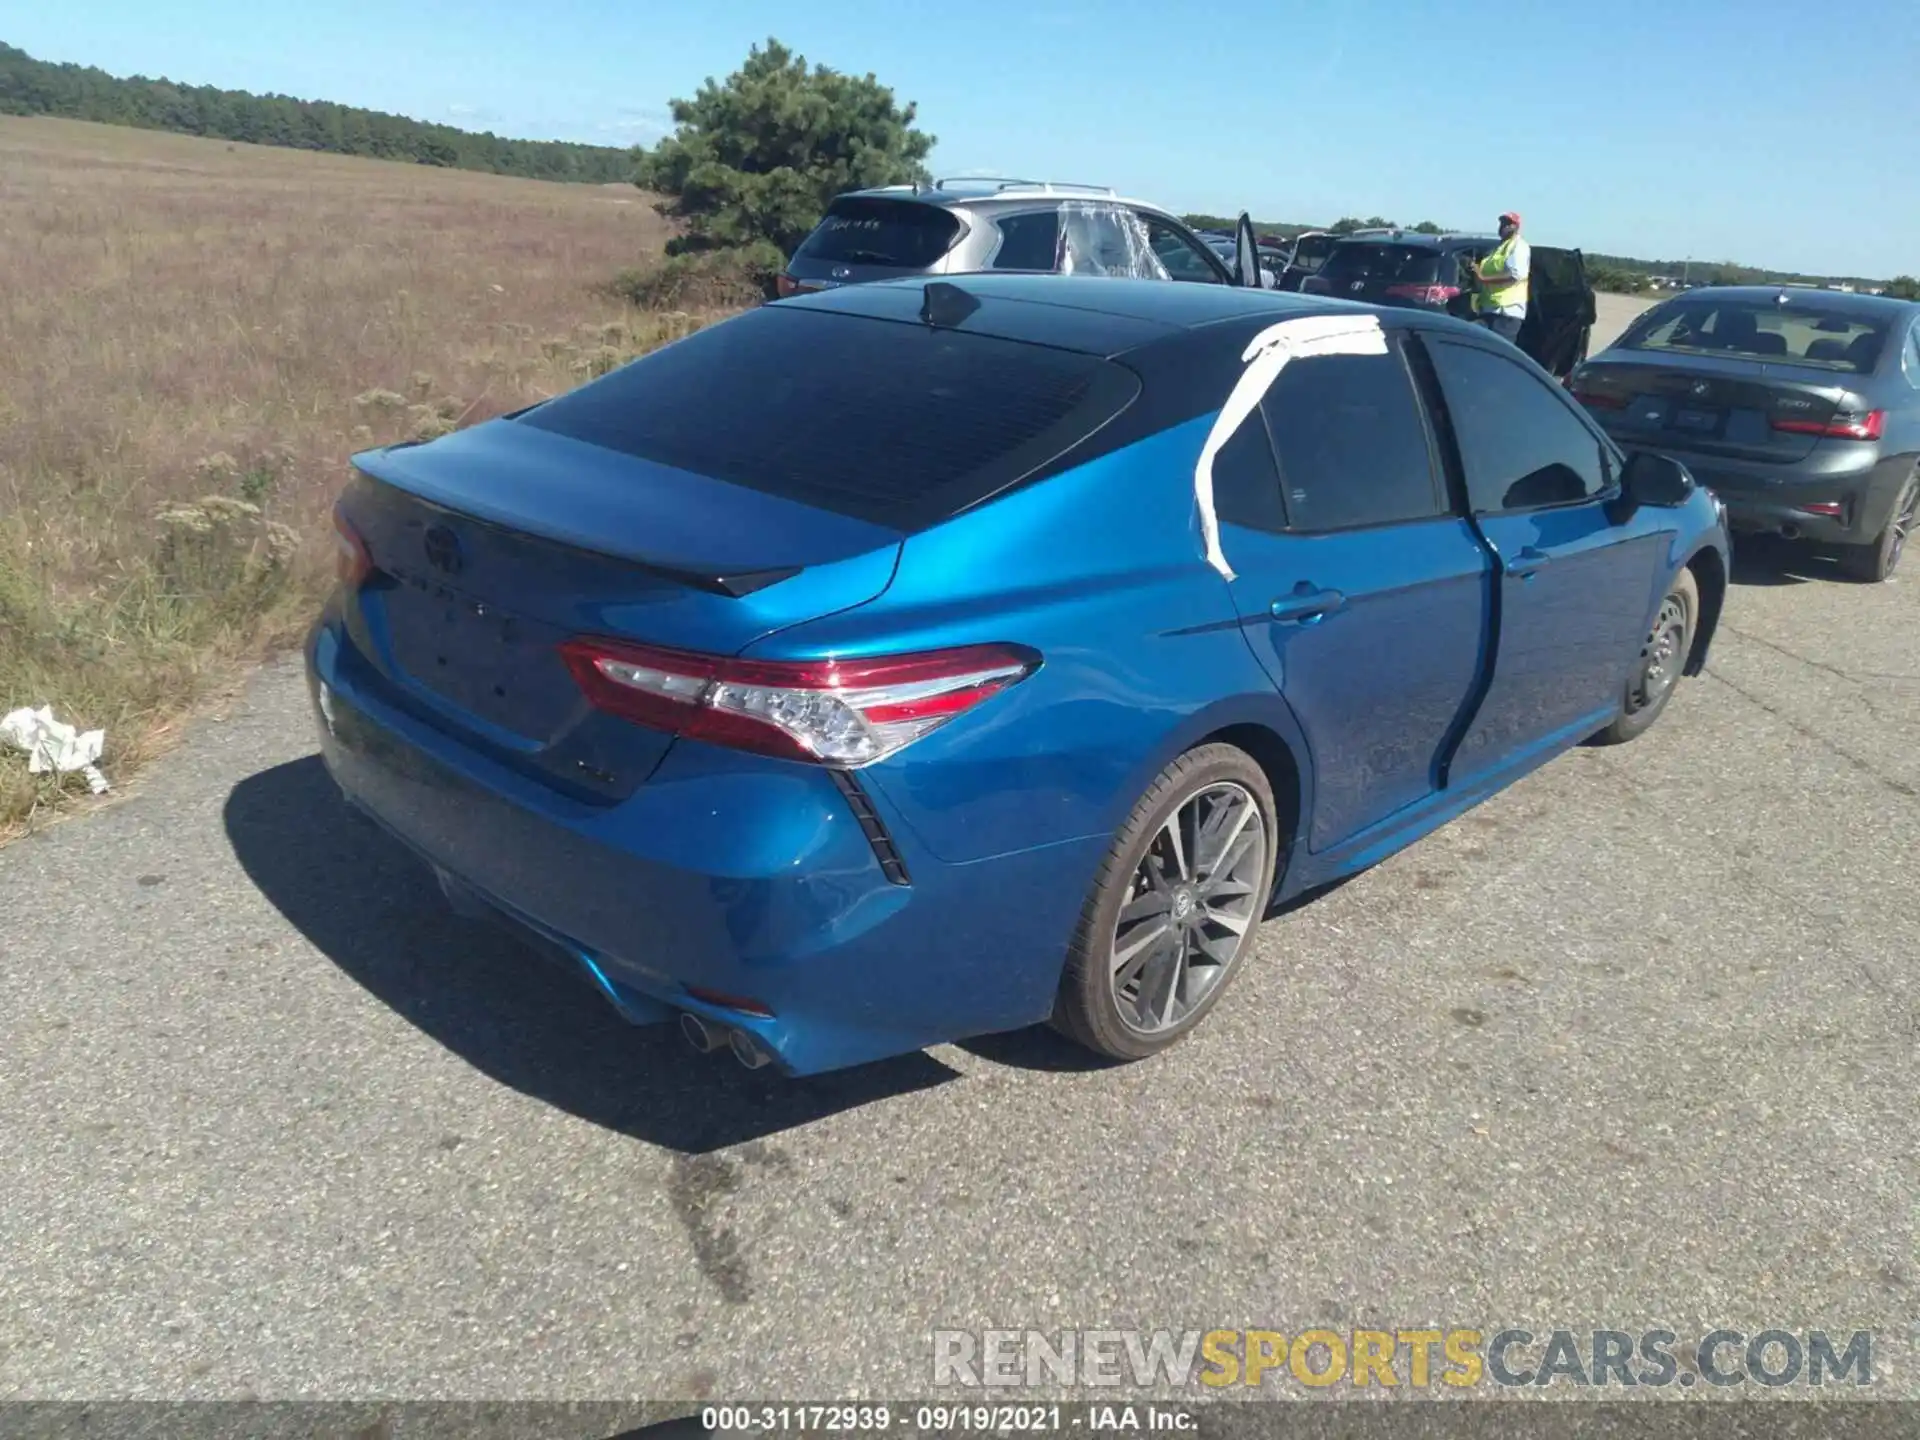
1635, 1042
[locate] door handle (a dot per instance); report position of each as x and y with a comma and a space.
1306, 606
1527, 563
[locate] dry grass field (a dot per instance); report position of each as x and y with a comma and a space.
195, 336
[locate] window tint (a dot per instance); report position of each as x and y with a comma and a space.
901, 425
1028, 242
1180, 255
1246, 486
901, 233
1521, 444
1351, 443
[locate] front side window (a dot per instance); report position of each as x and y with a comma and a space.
1101, 238
1181, 257
1351, 442
1521, 444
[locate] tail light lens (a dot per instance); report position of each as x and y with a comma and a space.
835, 712
1424, 294
1597, 399
1832, 508
1843, 426
785, 285
351, 563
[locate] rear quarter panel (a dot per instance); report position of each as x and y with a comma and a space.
1101, 570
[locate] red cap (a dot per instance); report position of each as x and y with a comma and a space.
1513, 215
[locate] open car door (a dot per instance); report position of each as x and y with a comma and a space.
1560, 310
1246, 253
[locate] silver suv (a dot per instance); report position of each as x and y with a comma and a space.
959, 226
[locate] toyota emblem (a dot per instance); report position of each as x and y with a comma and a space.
842, 272
1700, 387
443, 550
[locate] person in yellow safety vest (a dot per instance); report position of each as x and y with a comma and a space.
1500, 302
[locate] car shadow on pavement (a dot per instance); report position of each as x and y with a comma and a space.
374, 910
1769, 560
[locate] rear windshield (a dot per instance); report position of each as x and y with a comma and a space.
1793, 334
900, 233
1382, 265
900, 425
1313, 249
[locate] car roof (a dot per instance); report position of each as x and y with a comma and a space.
1420, 239
1839, 302
1092, 314
970, 193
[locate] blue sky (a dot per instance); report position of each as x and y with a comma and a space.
1722, 129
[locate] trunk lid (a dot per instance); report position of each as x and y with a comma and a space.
1713, 405
491, 546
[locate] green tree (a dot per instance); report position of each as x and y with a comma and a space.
757, 157
1427, 227
1904, 287
1346, 225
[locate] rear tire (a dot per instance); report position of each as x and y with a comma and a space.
1875, 562
1656, 674
1174, 909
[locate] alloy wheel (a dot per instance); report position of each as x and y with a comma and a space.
1193, 898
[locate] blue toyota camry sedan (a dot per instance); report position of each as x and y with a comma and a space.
916, 661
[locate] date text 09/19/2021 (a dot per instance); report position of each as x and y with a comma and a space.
860, 1419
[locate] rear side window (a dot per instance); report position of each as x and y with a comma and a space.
1246, 486
1028, 242
1910, 358
900, 425
1351, 442
900, 233
1522, 446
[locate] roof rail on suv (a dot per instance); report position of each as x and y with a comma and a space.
1003, 184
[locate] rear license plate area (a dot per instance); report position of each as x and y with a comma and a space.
1698, 422
490, 662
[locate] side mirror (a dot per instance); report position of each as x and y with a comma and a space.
1654, 480
1246, 253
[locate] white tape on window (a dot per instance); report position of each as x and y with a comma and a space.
1265, 357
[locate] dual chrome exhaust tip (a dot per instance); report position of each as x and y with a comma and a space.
707, 1038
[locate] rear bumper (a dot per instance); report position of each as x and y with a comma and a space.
1764, 500
724, 873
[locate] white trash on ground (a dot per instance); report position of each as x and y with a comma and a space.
55, 745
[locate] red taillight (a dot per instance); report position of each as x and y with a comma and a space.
785, 285
1842, 427
1597, 400
351, 563
1424, 294
840, 712
1823, 507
